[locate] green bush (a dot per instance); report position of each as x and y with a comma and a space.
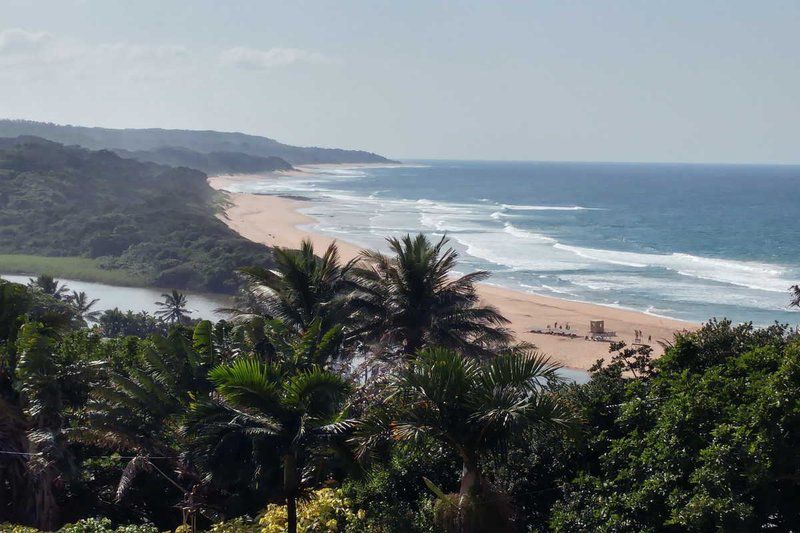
709, 443
87, 525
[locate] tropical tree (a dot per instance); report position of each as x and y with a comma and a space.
301, 289
139, 409
415, 299
173, 308
288, 410
115, 323
707, 443
471, 406
35, 381
82, 305
48, 285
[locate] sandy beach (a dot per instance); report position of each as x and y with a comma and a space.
275, 221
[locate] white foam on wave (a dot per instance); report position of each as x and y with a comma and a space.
511, 229
515, 207
604, 256
677, 291
751, 275
484, 231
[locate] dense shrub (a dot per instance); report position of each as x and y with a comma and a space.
708, 443
88, 525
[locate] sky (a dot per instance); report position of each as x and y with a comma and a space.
666, 81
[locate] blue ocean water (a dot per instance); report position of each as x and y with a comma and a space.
684, 241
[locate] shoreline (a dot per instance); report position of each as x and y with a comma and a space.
276, 221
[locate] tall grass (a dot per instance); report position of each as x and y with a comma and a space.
78, 268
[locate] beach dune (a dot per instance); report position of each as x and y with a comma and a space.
275, 221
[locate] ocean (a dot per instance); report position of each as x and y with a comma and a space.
683, 241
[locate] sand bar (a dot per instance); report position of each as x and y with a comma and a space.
275, 221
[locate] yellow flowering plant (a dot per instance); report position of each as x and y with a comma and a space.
327, 511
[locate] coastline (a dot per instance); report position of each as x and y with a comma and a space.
276, 221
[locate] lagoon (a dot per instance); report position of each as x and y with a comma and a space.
137, 298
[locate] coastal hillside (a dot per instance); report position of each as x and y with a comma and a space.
210, 163
149, 223
206, 142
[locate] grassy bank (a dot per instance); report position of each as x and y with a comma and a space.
78, 268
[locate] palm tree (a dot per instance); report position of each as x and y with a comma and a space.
470, 405
287, 408
302, 288
82, 305
48, 285
173, 307
414, 299
44, 380
140, 409
36, 384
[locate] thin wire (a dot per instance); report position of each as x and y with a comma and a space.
29, 454
20, 453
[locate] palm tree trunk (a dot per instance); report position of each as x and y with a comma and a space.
290, 485
291, 510
471, 478
413, 343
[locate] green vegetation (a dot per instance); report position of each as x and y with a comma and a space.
161, 143
81, 268
308, 411
211, 163
95, 212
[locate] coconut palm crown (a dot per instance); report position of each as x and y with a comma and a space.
472, 406
302, 288
413, 299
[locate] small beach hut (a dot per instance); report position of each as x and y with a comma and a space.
597, 326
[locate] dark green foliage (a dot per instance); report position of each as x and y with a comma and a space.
708, 443
474, 409
172, 309
224, 418
115, 323
38, 386
392, 490
82, 306
413, 299
50, 286
302, 288
282, 415
139, 408
156, 222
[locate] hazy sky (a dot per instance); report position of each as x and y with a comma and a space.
595, 81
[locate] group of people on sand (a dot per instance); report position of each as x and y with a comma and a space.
637, 333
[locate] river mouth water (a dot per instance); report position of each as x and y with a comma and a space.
203, 306
137, 298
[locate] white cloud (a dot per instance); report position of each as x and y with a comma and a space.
143, 53
25, 54
252, 58
17, 41
21, 47
38, 55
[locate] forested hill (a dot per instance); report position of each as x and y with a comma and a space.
137, 140
210, 163
156, 222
